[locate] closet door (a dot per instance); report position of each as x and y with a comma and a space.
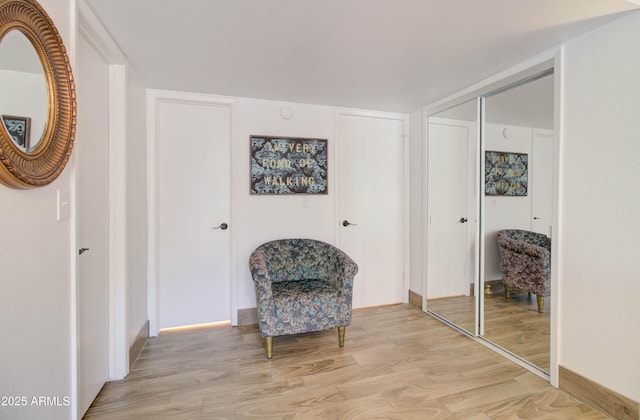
93, 224
193, 213
371, 205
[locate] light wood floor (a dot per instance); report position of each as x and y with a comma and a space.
397, 363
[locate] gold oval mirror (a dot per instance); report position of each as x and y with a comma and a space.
35, 143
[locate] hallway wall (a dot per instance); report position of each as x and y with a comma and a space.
35, 283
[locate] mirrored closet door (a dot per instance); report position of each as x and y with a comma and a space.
452, 147
489, 171
517, 140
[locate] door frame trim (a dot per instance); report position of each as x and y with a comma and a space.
90, 28
155, 96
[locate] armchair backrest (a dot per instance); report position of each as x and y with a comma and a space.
298, 259
533, 238
524, 240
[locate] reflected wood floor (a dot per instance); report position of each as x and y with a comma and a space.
516, 325
459, 310
397, 363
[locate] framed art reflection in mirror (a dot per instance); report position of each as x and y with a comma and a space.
19, 129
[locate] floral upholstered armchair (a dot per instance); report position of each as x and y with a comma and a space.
302, 285
525, 262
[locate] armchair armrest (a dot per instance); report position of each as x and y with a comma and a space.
262, 279
342, 269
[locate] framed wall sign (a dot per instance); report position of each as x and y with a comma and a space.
506, 173
19, 129
288, 165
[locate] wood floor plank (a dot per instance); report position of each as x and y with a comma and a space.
544, 405
397, 363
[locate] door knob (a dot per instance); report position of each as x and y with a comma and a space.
82, 251
222, 226
537, 218
346, 223
463, 220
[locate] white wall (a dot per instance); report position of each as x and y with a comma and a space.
599, 333
136, 168
256, 219
35, 282
260, 218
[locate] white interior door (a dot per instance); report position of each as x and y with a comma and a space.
371, 199
92, 154
541, 170
193, 182
449, 267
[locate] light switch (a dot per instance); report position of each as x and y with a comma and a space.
64, 205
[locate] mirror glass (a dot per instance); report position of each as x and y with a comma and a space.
518, 139
451, 224
24, 103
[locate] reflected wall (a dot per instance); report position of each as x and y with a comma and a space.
25, 95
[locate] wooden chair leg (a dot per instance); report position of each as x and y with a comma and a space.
507, 291
268, 345
341, 336
540, 300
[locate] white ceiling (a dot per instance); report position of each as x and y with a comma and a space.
394, 55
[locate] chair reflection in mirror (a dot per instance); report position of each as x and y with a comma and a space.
525, 261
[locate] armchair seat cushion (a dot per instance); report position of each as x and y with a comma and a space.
311, 292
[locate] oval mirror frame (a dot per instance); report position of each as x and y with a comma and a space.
40, 167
